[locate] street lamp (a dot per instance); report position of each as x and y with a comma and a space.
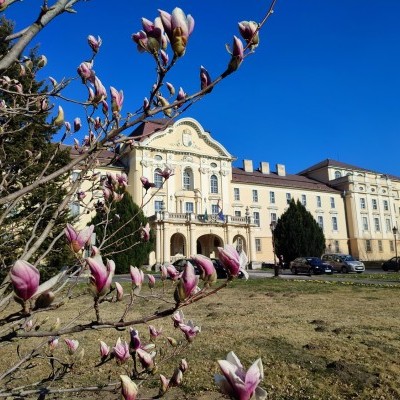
394, 230
272, 226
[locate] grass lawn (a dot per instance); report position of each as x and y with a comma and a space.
317, 340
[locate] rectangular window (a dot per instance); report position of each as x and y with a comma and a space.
238, 213
236, 194
337, 247
374, 204
189, 207
321, 221
377, 224
380, 246
158, 205
273, 217
214, 209
258, 244
391, 245
256, 217
304, 200
319, 203
332, 200
255, 196
288, 198
385, 205
272, 197
368, 247
388, 225
365, 223
362, 203
334, 223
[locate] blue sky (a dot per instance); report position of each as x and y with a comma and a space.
324, 82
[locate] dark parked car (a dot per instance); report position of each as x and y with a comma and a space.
392, 264
221, 273
310, 265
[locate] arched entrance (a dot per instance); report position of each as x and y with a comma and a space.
178, 246
240, 243
207, 245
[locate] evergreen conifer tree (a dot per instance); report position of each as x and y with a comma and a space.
298, 234
121, 229
26, 151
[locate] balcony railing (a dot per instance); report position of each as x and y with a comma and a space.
202, 218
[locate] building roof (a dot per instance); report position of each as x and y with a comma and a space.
338, 164
147, 128
273, 179
105, 157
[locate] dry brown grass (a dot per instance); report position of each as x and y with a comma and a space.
317, 340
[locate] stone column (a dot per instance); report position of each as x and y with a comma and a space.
158, 244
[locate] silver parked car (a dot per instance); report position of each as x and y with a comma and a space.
343, 263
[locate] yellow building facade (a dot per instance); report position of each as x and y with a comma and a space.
208, 202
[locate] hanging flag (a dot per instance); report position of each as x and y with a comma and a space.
220, 213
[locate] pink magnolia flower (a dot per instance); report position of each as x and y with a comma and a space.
237, 55
100, 92
104, 350
164, 385
172, 272
152, 281
117, 99
146, 359
230, 259
205, 79
101, 275
178, 28
137, 276
208, 273
78, 240
190, 330
135, 342
129, 389
187, 283
77, 124
166, 173
145, 232
120, 291
25, 279
121, 351
72, 345
154, 333
86, 72
146, 183
53, 343
94, 43
238, 383
122, 180
249, 32
178, 318
176, 378
181, 95
164, 272
183, 365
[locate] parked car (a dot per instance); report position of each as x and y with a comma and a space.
310, 265
392, 264
343, 263
219, 268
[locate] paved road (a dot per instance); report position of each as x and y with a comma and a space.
287, 274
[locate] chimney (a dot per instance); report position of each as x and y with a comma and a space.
264, 167
280, 170
248, 165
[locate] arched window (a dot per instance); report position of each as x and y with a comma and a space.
158, 179
213, 184
187, 179
338, 174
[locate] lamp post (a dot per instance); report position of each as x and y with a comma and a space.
272, 226
394, 230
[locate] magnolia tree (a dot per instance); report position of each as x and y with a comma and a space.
31, 325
